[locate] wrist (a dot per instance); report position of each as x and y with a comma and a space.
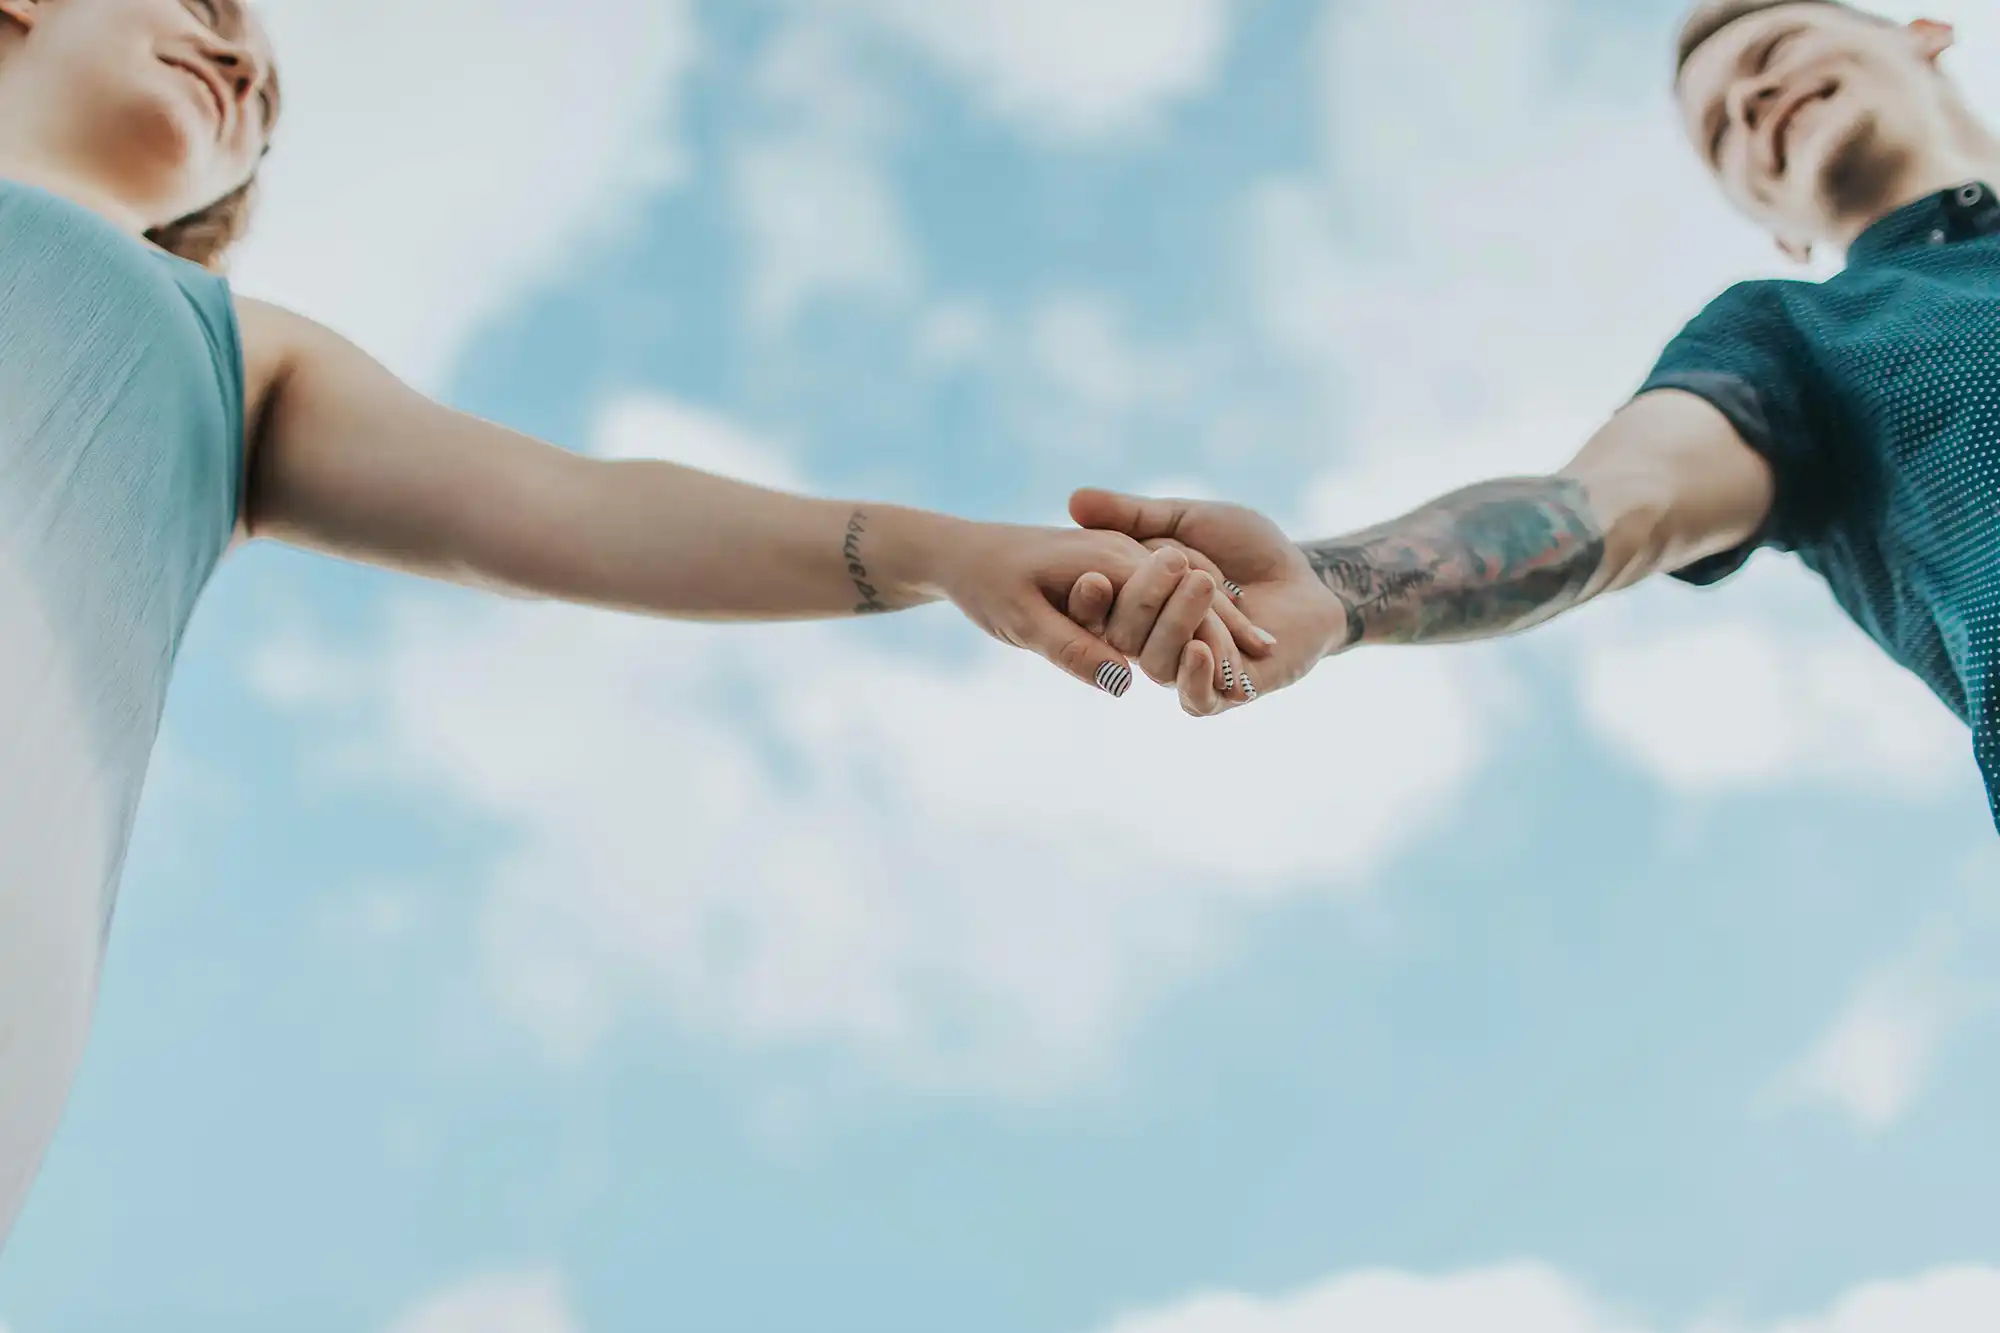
909, 552
1337, 626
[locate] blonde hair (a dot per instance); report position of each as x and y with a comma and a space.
204, 237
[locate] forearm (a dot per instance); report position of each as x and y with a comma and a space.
665, 540
1486, 561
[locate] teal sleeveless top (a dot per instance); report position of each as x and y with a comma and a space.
121, 441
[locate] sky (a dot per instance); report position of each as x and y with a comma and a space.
496, 968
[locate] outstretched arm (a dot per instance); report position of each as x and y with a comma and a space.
1665, 484
347, 460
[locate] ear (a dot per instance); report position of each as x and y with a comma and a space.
23, 12
1799, 252
1933, 38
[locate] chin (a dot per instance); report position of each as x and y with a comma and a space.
1861, 170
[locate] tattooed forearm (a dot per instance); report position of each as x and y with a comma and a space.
850, 549
1485, 561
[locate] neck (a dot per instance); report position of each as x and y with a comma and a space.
1972, 155
30, 168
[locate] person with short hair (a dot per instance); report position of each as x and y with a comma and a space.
1855, 421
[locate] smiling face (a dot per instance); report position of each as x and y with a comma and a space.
1814, 118
167, 104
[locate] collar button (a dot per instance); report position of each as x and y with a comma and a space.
1971, 196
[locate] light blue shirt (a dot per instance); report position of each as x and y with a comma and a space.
121, 443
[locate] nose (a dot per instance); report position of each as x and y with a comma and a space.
1751, 101
242, 70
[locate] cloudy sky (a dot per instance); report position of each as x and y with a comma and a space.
486, 968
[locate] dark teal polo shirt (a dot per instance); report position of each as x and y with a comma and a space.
1875, 396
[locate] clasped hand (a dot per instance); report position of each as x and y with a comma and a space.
1211, 599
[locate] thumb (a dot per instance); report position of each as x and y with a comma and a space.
1075, 650
1141, 519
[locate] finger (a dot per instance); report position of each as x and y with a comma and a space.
1090, 602
1142, 600
1254, 640
1196, 681
1073, 649
1130, 514
1227, 656
1160, 658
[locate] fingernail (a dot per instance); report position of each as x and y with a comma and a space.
1235, 590
1249, 690
1228, 675
1264, 636
1114, 679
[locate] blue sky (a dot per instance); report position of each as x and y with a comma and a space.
496, 969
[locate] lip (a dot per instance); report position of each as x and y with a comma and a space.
218, 96
1781, 124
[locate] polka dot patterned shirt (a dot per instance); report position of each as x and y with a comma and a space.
1875, 396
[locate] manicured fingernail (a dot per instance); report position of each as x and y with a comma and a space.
1114, 679
1228, 675
1235, 590
1249, 690
1264, 636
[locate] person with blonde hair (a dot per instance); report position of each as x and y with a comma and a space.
150, 419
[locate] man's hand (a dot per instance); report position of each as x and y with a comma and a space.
1264, 572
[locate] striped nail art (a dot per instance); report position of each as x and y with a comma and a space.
1235, 590
1114, 679
1228, 676
1249, 690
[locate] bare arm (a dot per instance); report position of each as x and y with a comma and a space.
347, 460
1666, 483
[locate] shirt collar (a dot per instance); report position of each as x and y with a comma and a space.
1957, 214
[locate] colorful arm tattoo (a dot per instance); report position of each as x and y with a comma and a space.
1485, 561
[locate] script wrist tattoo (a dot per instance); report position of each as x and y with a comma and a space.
850, 549
1486, 561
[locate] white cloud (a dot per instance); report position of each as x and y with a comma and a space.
653, 426
1081, 345
533, 1302
1718, 698
1067, 70
1529, 1298
403, 206
1875, 1060
974, 874
816, 201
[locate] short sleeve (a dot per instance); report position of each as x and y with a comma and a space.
1745, 357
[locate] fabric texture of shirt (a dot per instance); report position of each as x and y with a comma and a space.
121, 439
1875, 398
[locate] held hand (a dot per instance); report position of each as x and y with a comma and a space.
1010, 581
1279, 593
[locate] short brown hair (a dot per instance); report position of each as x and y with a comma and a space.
1714, 15
204, 236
